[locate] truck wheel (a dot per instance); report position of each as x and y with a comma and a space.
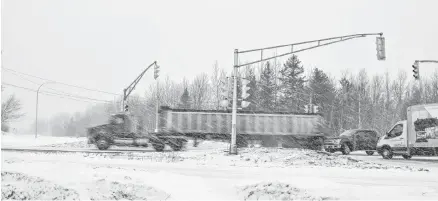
407, 157
158, 146
177, 146
102, 144
345, 149
241, 142
386, 153
195, 142
370, 153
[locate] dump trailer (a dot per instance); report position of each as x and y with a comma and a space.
418, 135
177, 126
300, 130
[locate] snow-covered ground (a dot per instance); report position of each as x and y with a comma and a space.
9, 140
207, 172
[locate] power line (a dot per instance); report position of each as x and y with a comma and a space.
77, 98
64, 93
62, 82
21, 76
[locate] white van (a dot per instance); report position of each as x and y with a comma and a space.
402, 139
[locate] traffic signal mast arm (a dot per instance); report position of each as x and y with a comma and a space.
416, 67
131, 87
427, 61
320, 43
327, 41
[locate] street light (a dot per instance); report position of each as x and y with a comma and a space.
36, 115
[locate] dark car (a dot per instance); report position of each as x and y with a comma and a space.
353, 140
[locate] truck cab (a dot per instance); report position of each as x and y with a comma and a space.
120, 125
394, 141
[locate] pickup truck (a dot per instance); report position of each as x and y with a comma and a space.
353, 140
418, 135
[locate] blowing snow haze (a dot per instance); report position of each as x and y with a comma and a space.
106, 44
219, 100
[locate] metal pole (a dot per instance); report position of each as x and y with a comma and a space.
36, 113
36, 116
156, 115
123, 100
233, 146
360, 120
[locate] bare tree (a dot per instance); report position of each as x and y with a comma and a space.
11, 109
398, 88
434, 87
215, 85
199, 90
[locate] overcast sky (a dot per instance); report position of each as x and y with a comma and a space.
105, 44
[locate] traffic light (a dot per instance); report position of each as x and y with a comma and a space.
380, 47
156, 71
315, 109
416, 70
126, 108
245, 93
306, 108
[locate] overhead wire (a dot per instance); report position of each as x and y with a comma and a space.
64, 93
80, 87
60, 95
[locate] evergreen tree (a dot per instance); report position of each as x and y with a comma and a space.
323, 92
253, 92
185, 102
267, 88
345, 103
292, 84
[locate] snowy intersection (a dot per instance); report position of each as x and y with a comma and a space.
208, 173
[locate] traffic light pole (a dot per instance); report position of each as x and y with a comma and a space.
131, 87
233, 146
157, 109
320, 43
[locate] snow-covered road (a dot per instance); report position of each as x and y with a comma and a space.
188, 181
207, 173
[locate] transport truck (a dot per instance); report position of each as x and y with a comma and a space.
418, 135
177, 126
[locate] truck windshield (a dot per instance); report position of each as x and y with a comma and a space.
347, 133
116, 120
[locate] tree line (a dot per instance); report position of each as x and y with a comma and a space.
354, 100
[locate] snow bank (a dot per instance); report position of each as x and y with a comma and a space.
22, 141
18, 186
278, 157
276, 191
105, 190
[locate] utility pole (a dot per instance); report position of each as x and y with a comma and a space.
380, 42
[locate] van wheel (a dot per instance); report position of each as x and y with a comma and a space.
407, 157
102, 144
345, 149
369, 153
386, 153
